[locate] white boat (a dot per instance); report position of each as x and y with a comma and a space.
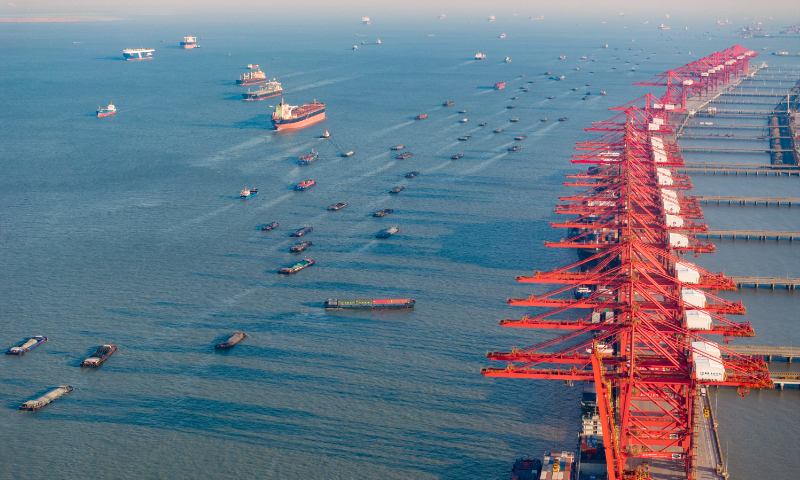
480, 56
252, 66
502, 35
508, 60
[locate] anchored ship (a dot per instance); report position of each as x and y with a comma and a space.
99, 356
189, 42
302, 231
500, 85
270, 226
480, 56
30, 344
305, 185
109, 110
388, 232
271, 89
382, 213
370, 303
248, 193
300, 247
308, 159
230, 342
290, 117
421, 116
252, 78
138, 53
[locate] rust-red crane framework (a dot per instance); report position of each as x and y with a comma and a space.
640, 358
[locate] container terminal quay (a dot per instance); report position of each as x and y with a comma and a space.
639, 339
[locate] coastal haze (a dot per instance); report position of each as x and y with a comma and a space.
128, 230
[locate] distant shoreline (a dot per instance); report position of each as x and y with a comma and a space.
41, 20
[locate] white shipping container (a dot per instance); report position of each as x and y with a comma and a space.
671, 207
687, 274
664, 180
666, 193
664, 171
697, 320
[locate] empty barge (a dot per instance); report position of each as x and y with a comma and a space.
40, 402
370, 303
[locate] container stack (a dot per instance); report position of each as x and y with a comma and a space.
591, 425
526, 469
557, 466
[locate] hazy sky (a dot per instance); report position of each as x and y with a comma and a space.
786, 11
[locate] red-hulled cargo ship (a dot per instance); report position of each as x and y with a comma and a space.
290, 117
189, 42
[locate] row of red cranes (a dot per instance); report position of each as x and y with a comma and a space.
645, 310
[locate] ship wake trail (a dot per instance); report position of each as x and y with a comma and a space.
369, 174
274, 202
319, 84
541, 132
483, 164
392, 128
233, 151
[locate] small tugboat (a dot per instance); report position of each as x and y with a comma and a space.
421, 116
448, 103
397, 189
300, 247
462, 111
326, 134
502, 35
563, 119
551, 97
575, 89
109, 110
27, 346
371, 303
514, 98
500, 85
412, 174
498, 130
248, 193
482, 124
526, 90
40, 402
308, 159
387, 233
515, 119
252, 66
382, 213
464, 138
463, 120
270, 226
602, 92
508, 60
403, 155
99, 356
348, 154
398, 147
521, 137
252, 78
511, 106
296, 267
302, 231
337, 206
456, 156
583, 57
562, 57
230, 342
544, 119
305, 185
480, 56
514, 148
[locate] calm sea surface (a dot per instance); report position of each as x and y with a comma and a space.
127, 230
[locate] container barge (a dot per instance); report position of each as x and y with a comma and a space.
382, 213
99, 356
296, 267
300, 247
370, 303
403, 155
387, 233
301, 231
230, 342
33, 405
27, 346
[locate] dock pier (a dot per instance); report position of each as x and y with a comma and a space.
761, 235
766, 201
789, 283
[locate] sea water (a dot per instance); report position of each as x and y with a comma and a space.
128, 230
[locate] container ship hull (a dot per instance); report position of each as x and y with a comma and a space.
138, 54
300, 122
370, 303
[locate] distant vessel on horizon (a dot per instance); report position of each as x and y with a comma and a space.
365, 20
502, 35
663, 27
491, 18
480, 56
189, 42
138, 53
109, 110
442, 16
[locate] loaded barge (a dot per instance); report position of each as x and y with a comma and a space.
40, 402
230, 342
296, 267
32, 343
99, 356
370, 303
